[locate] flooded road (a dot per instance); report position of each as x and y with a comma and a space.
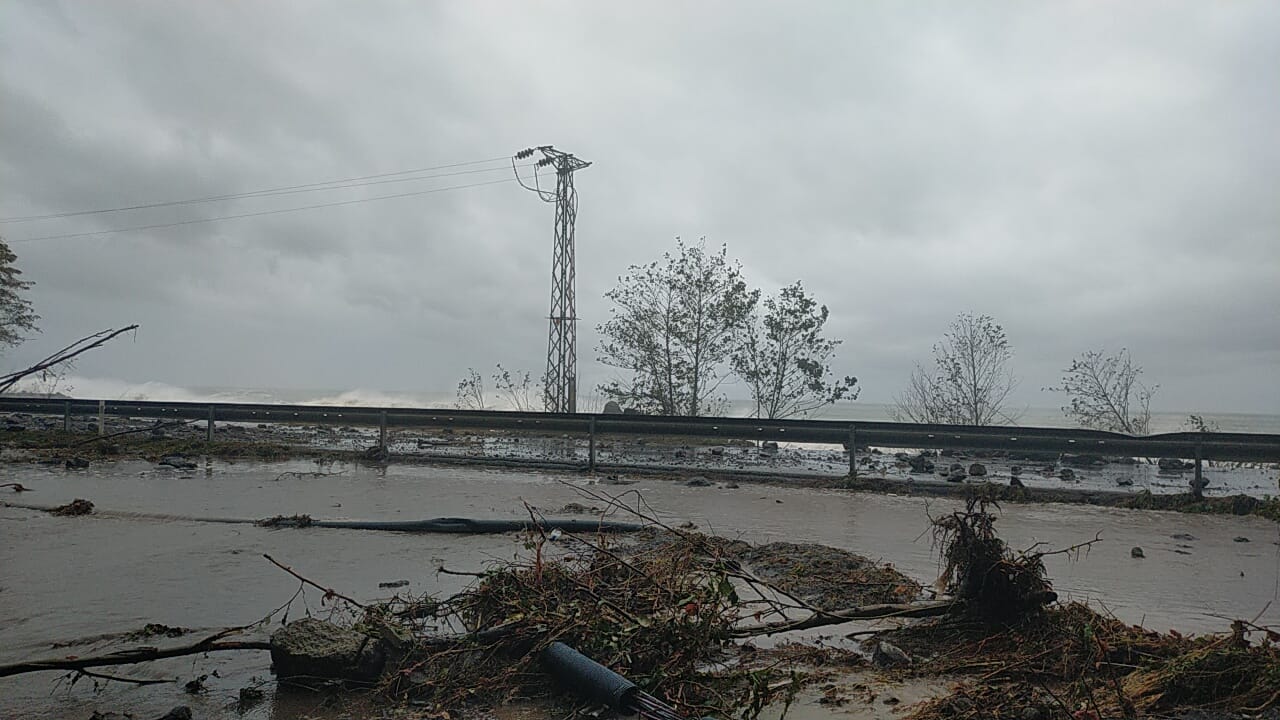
63, 579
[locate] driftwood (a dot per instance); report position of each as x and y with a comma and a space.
867, 612
213, 643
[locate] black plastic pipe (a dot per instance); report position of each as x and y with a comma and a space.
589, 678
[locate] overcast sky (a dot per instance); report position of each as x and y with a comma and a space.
1093, 175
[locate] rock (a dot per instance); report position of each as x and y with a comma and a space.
769, 446
77, 463
920, 464
393, 584
977, 469
79, 506
888, 655
717, 451
1124, 482
377, 453
698, 481
731, 485
1031, 712
1239, 538
612, 408
177, 461
1015, 470
158, 433
1015, 482
1137, 553
681, 454
182, 712
14, 427
310, 648
1172, 465
1184, 536
1067, 475
631, 411
955, 473
617, 480
1083, 461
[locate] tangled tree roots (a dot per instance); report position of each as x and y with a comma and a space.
981, 570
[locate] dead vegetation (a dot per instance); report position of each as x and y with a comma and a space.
1022, 659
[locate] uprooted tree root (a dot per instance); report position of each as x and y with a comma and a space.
1021, 659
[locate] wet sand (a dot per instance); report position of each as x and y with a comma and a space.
68, 578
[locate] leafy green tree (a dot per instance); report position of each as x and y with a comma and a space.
673, 328
785, 360
1104, 393
16, 316
970, 380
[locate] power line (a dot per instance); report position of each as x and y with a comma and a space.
279, 211
285, 190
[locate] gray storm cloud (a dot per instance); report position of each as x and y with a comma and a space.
1092, 175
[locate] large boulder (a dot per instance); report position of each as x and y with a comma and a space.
977, 469
920, 464
314, 649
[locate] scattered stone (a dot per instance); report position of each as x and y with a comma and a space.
75, 507
1015, 482
891, 700
14, 427
1182, 552
920, 464
393, 584
310, 648
177, 461
977, 469
158, 433
631, 411
698, 481
680, 454
1067, 475
1184, 536
1173, 465
77, 463
378, 453
196, 686
717, 451
955, 473
731, 485
1083, 461
888, 655
769, 446
612, 408
1124, 482
250, 696
1239, 538
1015, 470
617, 480
1137, 553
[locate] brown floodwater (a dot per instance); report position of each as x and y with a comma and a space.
70, 580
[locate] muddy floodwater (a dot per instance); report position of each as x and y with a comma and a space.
66, 582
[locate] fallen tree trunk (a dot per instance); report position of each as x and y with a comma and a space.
867, 612
131, 657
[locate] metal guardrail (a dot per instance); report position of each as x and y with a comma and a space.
1245, 447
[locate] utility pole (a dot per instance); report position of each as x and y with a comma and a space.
561, 381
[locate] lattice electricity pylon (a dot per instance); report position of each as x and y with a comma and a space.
560, 386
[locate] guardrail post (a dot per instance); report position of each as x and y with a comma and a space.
208, 431
382, 430
1199, 481
853, 452
591, 445
66, 416
102, 417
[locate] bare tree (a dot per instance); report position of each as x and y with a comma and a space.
970, 380
470, 392
673, 327
785, 360
518, 389
16, 315
59, 359
1104, 393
